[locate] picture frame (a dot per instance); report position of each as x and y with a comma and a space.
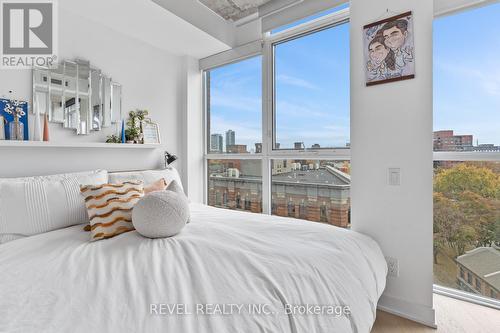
8, 118
151, 133
389, 53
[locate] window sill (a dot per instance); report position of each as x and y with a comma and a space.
465, 296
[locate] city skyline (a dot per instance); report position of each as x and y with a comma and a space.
444, 140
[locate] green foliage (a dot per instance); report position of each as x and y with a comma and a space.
132, 133
466, 208
133, 130
113, 139
462, 177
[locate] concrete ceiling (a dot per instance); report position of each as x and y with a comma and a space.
234, 10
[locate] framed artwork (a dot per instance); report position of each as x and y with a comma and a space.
8, 109
388, 50
151, 133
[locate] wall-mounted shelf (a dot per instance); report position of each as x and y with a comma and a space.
94, 145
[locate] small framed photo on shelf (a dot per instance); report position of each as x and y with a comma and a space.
151, 132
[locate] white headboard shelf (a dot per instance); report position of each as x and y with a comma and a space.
99, 145
34, 158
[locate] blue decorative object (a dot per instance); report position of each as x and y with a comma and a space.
10, 109
123, 131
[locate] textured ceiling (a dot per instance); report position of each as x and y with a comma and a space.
233, 9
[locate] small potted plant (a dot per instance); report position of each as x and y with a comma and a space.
113, 139
133, 133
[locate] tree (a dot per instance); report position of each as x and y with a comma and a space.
463, 177
482, 214
449, 223
466, 208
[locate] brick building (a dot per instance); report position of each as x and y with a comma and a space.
479, 272
236, 149
313, 193
447, 141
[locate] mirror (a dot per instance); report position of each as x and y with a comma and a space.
106, 101
77, 96
95, 99
41, 91
116, 102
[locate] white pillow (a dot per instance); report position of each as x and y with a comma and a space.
33, 205
147, 177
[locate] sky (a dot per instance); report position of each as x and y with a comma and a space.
467, 73
312, 85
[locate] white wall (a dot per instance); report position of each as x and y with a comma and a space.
391, 126
192, 137
150, 79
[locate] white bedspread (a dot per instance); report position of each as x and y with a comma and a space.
59, 282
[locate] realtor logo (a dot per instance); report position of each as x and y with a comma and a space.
28, 33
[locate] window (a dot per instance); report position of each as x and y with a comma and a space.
235, 184
466, 150
466, 90
312, 91
234, 107
310, 18
291, 208
312, 185
323, 213
466, 210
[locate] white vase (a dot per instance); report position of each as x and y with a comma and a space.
37, 131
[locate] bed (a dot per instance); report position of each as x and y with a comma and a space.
227, 271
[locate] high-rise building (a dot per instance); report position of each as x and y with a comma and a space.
299, 145
230, 138
258, 148
216, 144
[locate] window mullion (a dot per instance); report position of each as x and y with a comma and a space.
267, 114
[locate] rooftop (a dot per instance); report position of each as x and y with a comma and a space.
327, 176
484, 262
324, 176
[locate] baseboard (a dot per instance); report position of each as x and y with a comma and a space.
414, 312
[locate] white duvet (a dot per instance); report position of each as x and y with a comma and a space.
226, 271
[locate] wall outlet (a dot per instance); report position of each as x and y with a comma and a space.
392, 266
394, 176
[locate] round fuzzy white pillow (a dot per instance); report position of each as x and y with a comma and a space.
161, 214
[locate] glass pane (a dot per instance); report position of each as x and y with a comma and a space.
235, 184
234, 105
467, 226
466, 81
312, 90
315, 190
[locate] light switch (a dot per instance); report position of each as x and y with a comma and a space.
394, 176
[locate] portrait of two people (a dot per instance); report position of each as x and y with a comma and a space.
389, 51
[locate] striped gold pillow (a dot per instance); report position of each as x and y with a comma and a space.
110, 207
